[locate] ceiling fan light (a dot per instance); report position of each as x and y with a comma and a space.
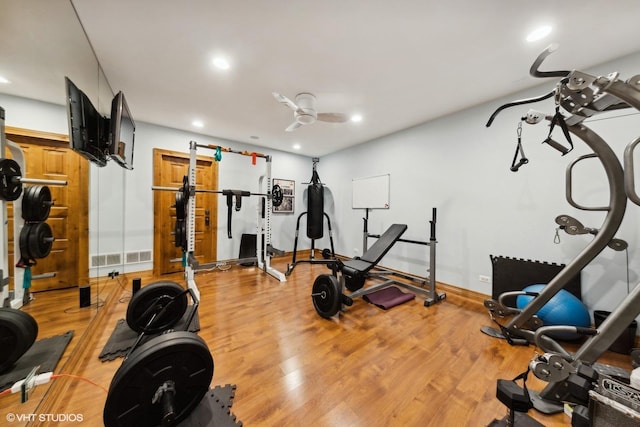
356, 118
4, 80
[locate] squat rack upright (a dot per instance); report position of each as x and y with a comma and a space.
263, 224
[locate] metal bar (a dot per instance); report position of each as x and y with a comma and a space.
569, 184
44, 276
229, 150
160, 188
629, 174
42, 181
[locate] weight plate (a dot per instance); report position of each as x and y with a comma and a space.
166, 300
10, 185
40, 239
353, 283
179, 230
185, 191
181, 206
277, 195
326, 253
26, 206
16, 336
183, 230
326, 295
25, 254
36, 203
180, 357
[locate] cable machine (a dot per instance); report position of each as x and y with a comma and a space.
582, 96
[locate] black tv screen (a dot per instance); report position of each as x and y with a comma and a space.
123, 129
86, 126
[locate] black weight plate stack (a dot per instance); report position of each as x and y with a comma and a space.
326, 295
10, 185
18, 332
179, 357
24, 242
180, 233
166, 300
36, 203
181, 206
40, 239
36, 240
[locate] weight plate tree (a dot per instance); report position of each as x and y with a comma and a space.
161, 303
327, 295
18, 332
160, 383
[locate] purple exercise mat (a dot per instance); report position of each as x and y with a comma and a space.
388, 297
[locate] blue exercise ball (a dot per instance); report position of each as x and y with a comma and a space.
563, 308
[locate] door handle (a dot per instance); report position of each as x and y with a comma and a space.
207, 217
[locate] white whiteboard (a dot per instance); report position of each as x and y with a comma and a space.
371, 192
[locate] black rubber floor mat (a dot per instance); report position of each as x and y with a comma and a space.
45, 353
214, 409
123, 337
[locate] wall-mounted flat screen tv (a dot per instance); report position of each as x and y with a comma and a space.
123, 129
86, 126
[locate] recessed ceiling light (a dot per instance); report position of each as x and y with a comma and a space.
221, 63
356, 118
539, 33
4, 80
296, 146
197, 123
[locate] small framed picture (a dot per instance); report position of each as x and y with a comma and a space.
288, 188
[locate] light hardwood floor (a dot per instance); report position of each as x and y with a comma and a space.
409, 366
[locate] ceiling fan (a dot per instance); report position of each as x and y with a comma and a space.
304, 111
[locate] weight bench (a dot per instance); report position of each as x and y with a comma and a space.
327, 288
355, 270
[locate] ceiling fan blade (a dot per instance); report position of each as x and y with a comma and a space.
286, 101
333, 117
293, 126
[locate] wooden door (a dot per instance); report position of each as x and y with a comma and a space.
169, 167
47, 156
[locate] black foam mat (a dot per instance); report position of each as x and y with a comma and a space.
214, 409
123, 337
513, 274
45, 353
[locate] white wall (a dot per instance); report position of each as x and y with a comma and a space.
461, 167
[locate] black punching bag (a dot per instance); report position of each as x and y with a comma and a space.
315, 211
